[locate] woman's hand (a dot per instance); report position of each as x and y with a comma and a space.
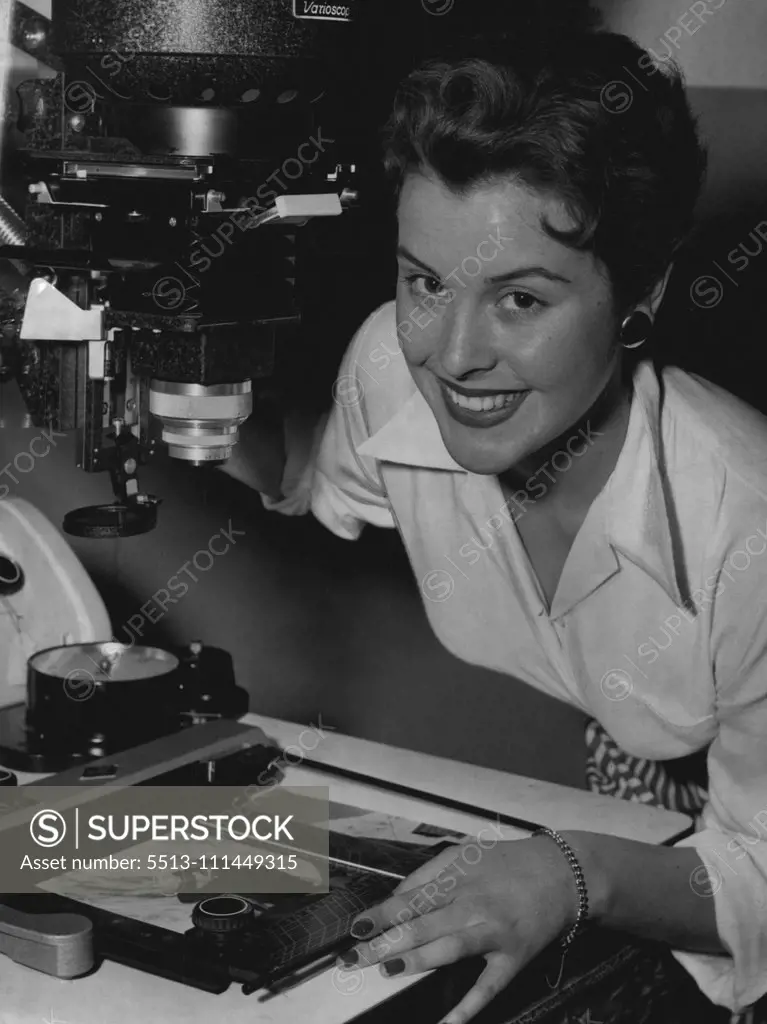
504, 900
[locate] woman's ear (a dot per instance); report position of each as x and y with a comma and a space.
653, 301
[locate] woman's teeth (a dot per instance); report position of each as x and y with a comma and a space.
486, 402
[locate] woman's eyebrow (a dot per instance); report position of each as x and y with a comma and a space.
402, 251
513, 275
510, 275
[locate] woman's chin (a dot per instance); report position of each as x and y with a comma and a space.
489, 446
474, 459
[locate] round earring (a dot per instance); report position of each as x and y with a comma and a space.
636, 329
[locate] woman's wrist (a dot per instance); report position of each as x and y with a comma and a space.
596, 880
587, 848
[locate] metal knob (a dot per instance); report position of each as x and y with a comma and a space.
223, 915
11, 577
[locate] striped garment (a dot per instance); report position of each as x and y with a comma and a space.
613, 772
675, 785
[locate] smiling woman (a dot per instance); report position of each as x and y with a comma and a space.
538, 222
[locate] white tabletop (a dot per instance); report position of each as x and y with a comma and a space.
122, 995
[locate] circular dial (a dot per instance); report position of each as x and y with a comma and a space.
104, 662
223, 915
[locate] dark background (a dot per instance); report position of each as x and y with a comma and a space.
319, 626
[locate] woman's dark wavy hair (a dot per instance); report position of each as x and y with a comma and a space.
591, 118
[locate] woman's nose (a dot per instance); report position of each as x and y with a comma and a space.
465, 345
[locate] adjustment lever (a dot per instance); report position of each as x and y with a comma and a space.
132, 513
57, 944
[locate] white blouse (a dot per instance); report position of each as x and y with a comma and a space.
658, 627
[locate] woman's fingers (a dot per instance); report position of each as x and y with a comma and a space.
456, 945
400, 908
410, 934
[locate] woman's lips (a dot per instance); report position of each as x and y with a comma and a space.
482, 410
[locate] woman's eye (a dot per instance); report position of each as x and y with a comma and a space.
521, 302
422, 284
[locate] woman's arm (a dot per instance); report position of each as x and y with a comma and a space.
654, 892
508, 900
259, 457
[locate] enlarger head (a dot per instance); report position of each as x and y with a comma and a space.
169, 167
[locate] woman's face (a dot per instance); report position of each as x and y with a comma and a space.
511, 335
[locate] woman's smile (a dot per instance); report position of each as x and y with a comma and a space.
481, 407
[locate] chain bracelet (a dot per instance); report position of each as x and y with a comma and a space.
580, 882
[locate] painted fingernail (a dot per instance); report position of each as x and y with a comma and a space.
349, 958
362, 927
392, 967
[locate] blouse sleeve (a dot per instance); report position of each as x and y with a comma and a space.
732, 835
324, 472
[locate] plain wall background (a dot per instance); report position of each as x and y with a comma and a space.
719, 45
321, 626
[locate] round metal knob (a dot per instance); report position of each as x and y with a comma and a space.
223, 915
11, 577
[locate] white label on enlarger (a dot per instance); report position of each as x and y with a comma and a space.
312, 10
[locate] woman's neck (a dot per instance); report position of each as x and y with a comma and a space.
574, 467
